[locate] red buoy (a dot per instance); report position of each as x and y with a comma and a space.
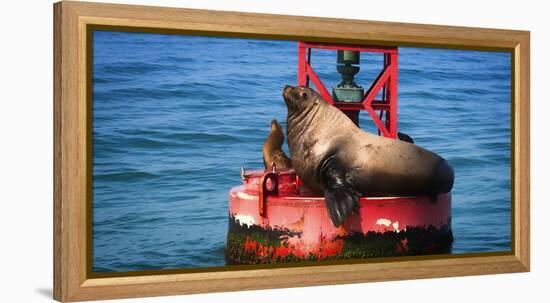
271, 220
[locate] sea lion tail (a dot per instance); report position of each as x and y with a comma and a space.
341, 198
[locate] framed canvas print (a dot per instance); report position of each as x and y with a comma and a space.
202, 151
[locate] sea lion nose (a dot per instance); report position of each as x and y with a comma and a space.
286, 89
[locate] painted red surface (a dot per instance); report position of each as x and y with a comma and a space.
299, 211
386, 82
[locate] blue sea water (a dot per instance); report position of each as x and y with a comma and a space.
175, 117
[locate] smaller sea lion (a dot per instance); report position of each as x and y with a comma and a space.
272, 150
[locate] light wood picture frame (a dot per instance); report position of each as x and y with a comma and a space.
73, 279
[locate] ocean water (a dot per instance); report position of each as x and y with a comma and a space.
175, 117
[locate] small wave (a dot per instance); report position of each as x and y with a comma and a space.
202, 137
156, 254
452, 75
458, 161
502, 146
140, 93
176, 59
477, 91
139, 132
108, 80
129, 220
148, 143
130, 68
124, 176
425, 95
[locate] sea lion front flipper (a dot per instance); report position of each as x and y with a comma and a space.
341, 198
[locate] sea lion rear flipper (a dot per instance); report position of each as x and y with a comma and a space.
443, 179
405, 137
341, 198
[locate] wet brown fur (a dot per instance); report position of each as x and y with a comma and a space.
374, 165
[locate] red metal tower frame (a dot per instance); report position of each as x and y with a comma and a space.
385, 82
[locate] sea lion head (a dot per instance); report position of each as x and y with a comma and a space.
272, 150
277, 134
299, 98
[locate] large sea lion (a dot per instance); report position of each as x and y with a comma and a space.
334, 157
272, 149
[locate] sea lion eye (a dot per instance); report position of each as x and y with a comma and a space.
303, 95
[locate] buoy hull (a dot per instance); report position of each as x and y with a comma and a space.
294, 228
